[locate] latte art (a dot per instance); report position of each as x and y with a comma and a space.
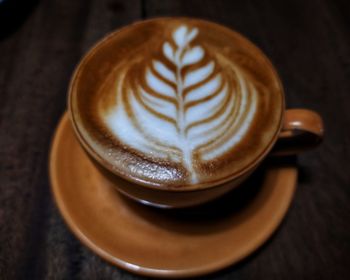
176, 103
184, 107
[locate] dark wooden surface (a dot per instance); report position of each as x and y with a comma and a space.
309, 43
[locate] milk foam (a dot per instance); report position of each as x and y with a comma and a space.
191, 108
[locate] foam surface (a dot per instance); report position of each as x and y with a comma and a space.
184, 103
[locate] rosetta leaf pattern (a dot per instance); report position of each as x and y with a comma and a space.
184, 107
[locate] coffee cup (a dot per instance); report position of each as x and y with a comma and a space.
175, 112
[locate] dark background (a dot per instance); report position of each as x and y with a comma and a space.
42, 41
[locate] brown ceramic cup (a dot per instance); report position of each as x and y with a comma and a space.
298, 130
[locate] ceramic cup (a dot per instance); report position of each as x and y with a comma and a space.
299, 130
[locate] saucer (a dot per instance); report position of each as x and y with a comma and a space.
166, 243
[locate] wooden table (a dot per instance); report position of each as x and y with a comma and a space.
309, 43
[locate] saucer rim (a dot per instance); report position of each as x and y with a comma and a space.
253, 245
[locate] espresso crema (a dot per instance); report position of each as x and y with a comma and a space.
176, 102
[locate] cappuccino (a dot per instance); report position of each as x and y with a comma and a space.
176, 103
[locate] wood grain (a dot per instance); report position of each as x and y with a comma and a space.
309, 43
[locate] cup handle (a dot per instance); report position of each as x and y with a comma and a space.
302, 130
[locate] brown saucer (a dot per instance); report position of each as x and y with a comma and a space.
165, 243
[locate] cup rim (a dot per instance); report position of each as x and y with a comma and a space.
158, 186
